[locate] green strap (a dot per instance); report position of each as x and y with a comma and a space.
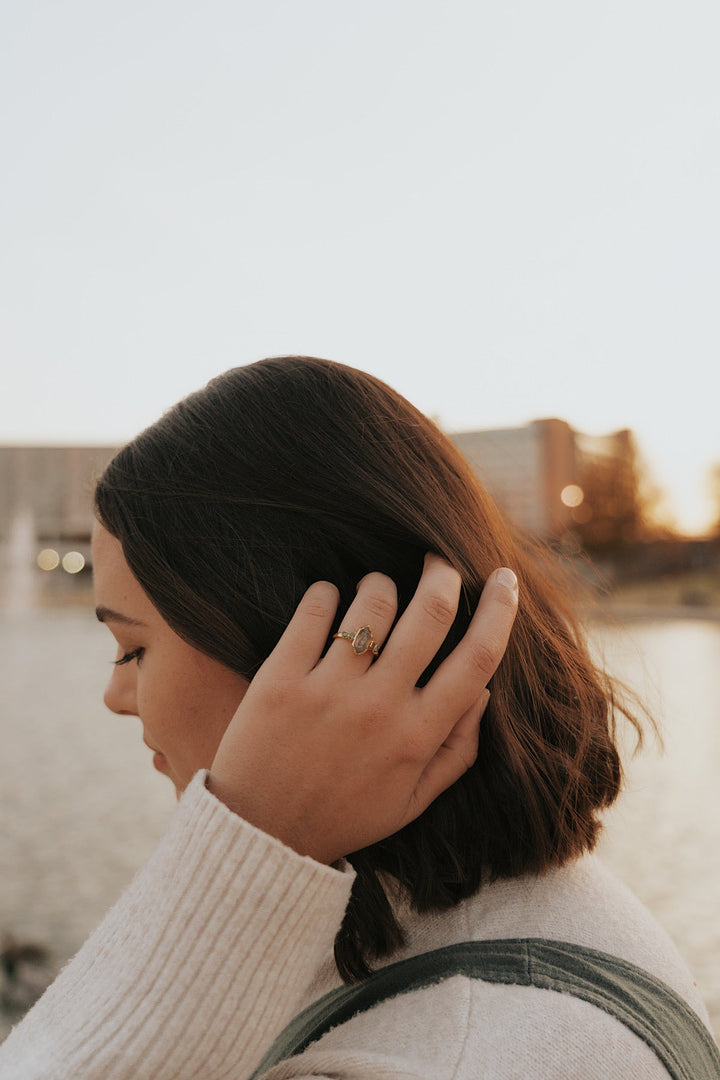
656, 1014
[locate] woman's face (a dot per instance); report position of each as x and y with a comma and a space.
184, 699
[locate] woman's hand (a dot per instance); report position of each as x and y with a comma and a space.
333, 753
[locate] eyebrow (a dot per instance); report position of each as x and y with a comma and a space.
106, 614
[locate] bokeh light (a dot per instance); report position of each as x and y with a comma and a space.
73, 562
582, 515
572, 495
48, 559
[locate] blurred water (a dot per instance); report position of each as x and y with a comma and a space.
80, 804
82, 807
663, 836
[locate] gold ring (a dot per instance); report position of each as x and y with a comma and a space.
361, 640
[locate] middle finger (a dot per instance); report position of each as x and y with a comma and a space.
427, 619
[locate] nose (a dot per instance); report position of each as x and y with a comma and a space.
120, 693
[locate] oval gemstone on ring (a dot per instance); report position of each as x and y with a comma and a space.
362, 640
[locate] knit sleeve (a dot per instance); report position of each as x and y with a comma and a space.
198, 966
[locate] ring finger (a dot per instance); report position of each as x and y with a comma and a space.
365, 626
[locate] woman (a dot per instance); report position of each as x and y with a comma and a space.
340, 812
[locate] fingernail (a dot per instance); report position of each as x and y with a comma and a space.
507, 578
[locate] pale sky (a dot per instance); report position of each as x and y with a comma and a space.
506, 210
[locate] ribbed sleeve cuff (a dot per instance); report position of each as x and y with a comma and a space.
198, 966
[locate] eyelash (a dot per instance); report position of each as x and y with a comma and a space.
136, 654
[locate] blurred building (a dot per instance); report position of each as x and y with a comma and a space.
555, 481
550, 479
45, 518
526, 469
52, 483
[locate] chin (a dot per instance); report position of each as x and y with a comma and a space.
179, 785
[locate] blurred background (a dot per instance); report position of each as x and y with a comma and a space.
508, 212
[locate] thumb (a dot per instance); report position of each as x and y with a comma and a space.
451, 760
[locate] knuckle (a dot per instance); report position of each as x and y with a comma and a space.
469, 756
441, 608
462, 760
321, 600
485, 656
381, 605
412, 750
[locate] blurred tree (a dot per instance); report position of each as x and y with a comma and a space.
621, 504
714, 485
657, 520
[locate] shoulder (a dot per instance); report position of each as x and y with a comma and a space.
582, 903
464, 1029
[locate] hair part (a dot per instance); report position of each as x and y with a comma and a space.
296, 469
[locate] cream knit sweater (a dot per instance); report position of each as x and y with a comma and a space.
225, 934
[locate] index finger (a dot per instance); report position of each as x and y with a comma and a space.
465, 673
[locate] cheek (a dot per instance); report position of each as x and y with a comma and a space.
194, 717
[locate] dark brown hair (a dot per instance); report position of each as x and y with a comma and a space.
293, 470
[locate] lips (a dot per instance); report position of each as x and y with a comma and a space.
159, 759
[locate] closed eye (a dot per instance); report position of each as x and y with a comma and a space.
136, 654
